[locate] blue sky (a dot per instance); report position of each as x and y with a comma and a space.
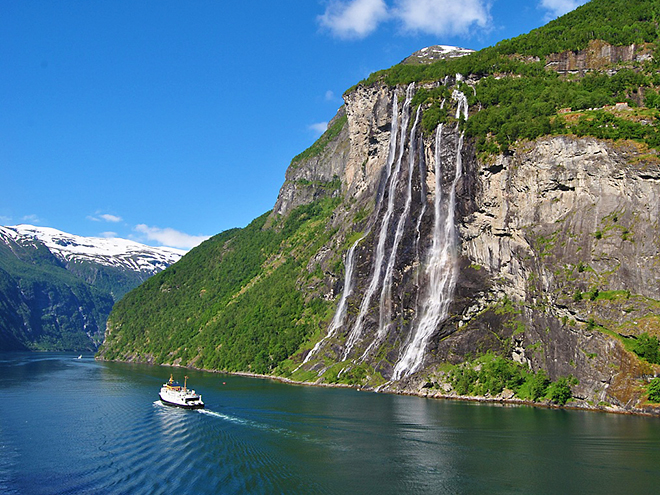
170, 121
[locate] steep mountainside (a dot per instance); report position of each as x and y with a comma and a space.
57, 289
478, 225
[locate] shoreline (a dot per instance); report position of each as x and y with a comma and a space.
513, 401
651, 412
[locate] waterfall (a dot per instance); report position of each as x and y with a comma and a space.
422, 186
441, 269
386, 290
461, 99
356, 332
420, 217
340, 314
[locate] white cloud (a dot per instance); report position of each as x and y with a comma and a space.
319, 128
557, 8
104, 217
111, 218
5, 220
353, 19
329, 95
442, 17
170, 237
108, 235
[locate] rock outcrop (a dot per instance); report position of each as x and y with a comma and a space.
559, 222
311, 178
598, 55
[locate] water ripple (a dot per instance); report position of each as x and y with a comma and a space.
108, 435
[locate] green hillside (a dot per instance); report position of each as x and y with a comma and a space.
612, 21
521, 99
236, 302
57, 308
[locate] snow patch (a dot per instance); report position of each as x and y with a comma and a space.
434, 53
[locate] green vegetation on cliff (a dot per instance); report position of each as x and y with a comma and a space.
612, 21
490, 375
45, 307
529, 107
654, 390
518, 98
647, 347
234, 303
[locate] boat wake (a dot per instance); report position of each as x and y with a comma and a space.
249, 423
228, 418
277, 430
231, 419
256, 425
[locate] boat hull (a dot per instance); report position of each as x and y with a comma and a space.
198, 405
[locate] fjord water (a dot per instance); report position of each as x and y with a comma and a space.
80, 426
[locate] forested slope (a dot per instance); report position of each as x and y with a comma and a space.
236, 302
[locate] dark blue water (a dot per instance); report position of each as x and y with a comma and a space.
78, 426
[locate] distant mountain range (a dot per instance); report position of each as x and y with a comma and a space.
57, 289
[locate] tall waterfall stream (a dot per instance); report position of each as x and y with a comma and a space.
438, 279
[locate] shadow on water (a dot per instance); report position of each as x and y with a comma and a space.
22, 367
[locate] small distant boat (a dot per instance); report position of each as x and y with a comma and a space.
80, 357
173, 394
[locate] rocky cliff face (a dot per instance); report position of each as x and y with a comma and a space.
543, 255
311, 178
598, 55
557, 224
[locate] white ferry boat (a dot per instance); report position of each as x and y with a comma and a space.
173, 394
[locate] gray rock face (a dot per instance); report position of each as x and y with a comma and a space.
564, 228
307, 179
568, 201
597, 55
565, 216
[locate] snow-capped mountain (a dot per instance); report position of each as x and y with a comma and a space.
434, 53
57, 289
115, 252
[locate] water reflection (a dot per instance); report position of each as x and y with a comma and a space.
424, 443
29, 367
